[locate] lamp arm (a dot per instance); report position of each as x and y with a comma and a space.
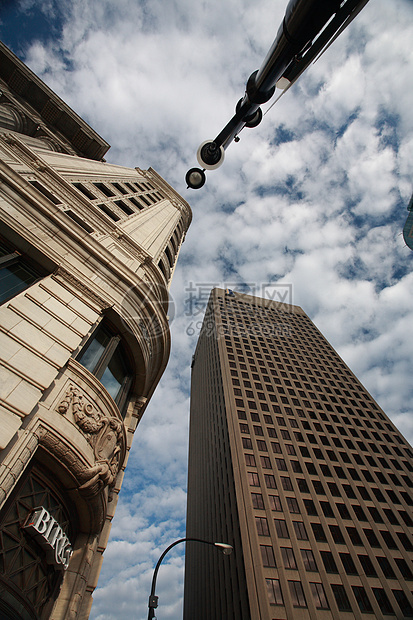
153, 600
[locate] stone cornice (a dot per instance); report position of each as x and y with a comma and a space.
34, 93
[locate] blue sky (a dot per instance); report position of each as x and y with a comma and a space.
315, 198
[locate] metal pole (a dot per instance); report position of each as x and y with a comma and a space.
153, 599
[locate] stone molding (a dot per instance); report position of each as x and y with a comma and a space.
65, 277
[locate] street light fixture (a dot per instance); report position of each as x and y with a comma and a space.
307, 30
153, 599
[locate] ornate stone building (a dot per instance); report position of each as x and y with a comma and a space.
88, 250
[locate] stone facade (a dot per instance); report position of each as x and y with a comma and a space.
88, 251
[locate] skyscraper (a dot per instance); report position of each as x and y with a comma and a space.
292, 462
87, 252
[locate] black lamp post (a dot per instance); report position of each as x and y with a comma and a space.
308, 28
153, 599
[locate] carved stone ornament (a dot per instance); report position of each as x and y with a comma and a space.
105, 434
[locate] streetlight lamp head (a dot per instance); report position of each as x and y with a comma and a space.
195, 178
226, 549
210, 156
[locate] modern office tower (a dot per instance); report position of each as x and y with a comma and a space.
408, 227
88, 250
292, 462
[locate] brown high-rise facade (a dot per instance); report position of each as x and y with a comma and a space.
292, 462
87, 253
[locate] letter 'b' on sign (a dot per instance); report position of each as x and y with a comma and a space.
50, 536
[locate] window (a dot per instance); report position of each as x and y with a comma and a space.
403, 603
288, 558
266, 462
103, 207
327, 510
318, 532
388, 539
383, 601
296, 467
270, 481
359, 512
297, 594
257, 501
311, 469
16, 272
354, 536
262, 526
334, 489
318, 487
300, 530
308, 560
274, 592
362, 599
367, 566
267, 555
406, 518
377, 518
336, 534
293, 505
405, 541
386, 567
106, 357
310, 507
348, 564
261, 445
104, 189
250, 460
364, 493
379, 495
371, 537
404, 568
341, 597
302, 485
281, 528
253, 479
325, 469
247, 443
329, 562
275, 503
319, 596
286, 483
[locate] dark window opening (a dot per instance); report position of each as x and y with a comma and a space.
79, 220
46, 192
104, 189
17, 272
119, 187
109, 212
84, 191
124, 207
105, 357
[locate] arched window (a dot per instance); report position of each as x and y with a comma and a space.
106, 357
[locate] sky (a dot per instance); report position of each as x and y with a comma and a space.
314, 198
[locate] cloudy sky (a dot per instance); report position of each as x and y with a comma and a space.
314, 197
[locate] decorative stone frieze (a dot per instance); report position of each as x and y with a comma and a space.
106, 435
